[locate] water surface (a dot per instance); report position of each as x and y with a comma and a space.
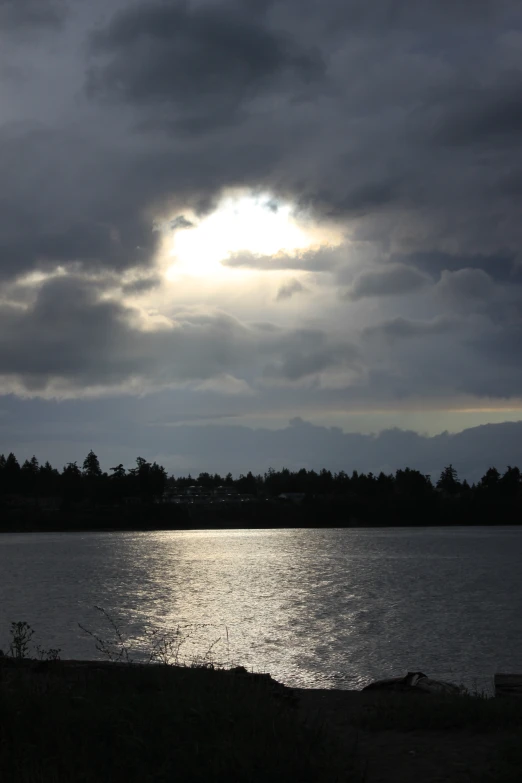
315, 608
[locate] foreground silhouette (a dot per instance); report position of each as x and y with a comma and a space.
97, 721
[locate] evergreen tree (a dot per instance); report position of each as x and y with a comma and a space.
49, 480
406, 498
449, 481
11, 474
205, 480
118, 472
71, 482
91, 465
490, 480
148, 481
29, 476
247, 484
2, 474
511, 481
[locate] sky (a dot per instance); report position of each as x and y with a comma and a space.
242, 234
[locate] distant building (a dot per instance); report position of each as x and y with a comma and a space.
193, 490
196, 494
224, 492
292, 497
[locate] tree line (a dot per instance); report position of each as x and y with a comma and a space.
73, 484
404, 497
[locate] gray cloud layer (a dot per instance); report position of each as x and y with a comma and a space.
404, 328
398, 120
71, 336
388, 281
289, 289
198, 66
64, 436
25, 14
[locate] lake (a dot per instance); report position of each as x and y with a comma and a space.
315, 608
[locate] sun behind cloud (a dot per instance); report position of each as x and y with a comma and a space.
256, 224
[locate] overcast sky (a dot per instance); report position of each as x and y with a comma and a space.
231, 232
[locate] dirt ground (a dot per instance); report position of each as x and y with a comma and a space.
454, 756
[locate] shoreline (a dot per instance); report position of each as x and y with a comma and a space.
13, 529
50, 666
254, 515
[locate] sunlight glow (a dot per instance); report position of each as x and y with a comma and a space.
255, 224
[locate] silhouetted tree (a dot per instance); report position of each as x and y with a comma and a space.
49, 481
247, 484
91, 466
406, 498
490, 480
29, 475
2, 474
148, 481
71, 483
449, 481
511, 481
11, 474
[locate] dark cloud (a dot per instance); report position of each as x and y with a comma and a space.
398, 119
501, 348
71, 339
202, 62
361, 149
499, 268
358, 201
466, 284
63, 199
68, 197
24, 14
309, 352
488, 117
287, 290
180, 222
322, 260
409, 15
390, 280
406, 328
141, 285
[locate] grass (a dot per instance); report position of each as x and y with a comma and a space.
157, 723
160, 722
494, 753
423, 712
506, 767
91, 722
